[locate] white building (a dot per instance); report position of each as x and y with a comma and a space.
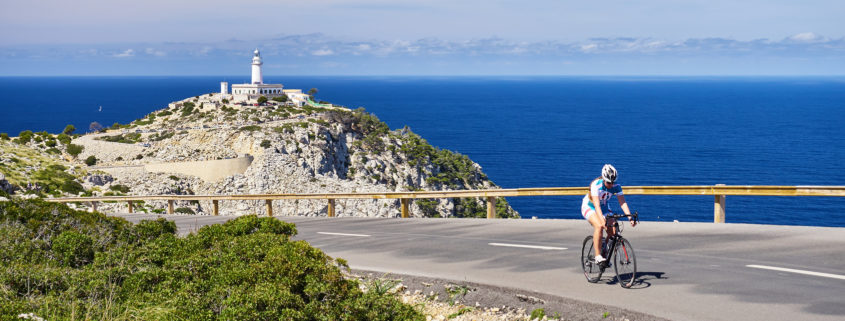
242, 92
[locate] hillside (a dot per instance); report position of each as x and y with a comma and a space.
281, 148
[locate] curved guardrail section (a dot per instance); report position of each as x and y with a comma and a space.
718, 191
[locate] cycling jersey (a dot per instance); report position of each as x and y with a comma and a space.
597, 188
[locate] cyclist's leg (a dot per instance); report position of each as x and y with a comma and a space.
597, 221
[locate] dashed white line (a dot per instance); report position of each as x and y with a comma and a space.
344, 234
547, 248
774, 268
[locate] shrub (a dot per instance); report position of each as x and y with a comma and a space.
184, 210
24, 137
106, 268
262, 100
63, 138
91, 160
250, 128
139, 156
265, 143
281, 99
54, 150
165, 113
69, 129
73, 249
119, 188
71, 187
50, 143
225, 101
74, 150
174, 177
96, 127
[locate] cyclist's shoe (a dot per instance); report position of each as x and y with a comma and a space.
599, 259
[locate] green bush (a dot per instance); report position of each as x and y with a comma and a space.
50, 143
119, 188
73, 249
4, 136
262, 99
24, 137
63, 138
69, 129
106, 268
91, 160
184, 210
165, 113
250, 128
71, 187
74, 150
265, 143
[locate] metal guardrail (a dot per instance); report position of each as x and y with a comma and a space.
718, 191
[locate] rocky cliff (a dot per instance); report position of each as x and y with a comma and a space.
293, 150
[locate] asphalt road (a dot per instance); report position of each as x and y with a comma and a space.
686, 271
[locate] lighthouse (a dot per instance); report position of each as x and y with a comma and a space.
256, 68
256, 87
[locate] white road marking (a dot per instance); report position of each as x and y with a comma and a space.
344, 234
528, 246
774, 268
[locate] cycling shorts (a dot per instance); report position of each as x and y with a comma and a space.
586, 209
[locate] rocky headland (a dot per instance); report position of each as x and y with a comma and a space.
206, 145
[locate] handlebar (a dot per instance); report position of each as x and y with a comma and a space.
635, 217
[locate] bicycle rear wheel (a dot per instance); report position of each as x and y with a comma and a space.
592, 271
625, 263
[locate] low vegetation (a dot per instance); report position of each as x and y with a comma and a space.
63, 264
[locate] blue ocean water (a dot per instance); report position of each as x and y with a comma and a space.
551, 131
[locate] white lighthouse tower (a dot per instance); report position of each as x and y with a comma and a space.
256, 88
256, 69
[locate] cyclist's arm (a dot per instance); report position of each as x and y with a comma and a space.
624, 206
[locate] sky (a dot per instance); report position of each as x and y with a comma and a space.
432, 37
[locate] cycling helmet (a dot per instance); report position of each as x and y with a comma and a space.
608, 173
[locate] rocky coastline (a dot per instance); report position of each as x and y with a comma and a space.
292, 149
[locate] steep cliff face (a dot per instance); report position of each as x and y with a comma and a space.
294, 150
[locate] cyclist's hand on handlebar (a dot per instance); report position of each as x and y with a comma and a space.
633, 219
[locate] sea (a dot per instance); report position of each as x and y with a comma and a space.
549, 131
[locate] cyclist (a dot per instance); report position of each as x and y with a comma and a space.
601, 189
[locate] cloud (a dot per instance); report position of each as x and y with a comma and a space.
323, 52
125, 54
154, 52
806, 37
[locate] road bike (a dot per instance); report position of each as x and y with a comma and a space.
617, 250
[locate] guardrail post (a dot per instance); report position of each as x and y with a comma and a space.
405, 207
131, 207
719, 208
330, 210
216, 207
269, 208
169, 206
491, 207
93, 206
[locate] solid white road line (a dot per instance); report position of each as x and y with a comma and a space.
774, 268
343, 234
529, 246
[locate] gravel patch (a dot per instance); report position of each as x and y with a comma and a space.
460, 300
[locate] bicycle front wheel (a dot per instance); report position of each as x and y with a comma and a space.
625, 263
592, 271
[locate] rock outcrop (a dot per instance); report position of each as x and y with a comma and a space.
293, 150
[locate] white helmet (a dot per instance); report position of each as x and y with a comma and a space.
608, 173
